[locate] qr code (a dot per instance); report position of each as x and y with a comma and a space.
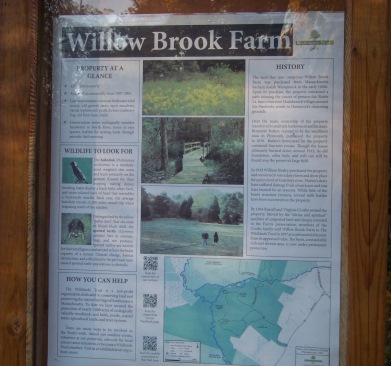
150, 263
150, 300
149, 343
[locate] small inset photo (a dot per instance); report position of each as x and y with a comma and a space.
194, 88
193, 150
179, 220
77, 170
76, 229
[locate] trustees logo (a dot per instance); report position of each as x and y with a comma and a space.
315, 41
314, 361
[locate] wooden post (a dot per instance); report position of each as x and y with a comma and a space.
369, 162
17, 158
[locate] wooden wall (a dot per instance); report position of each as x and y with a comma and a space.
367, 118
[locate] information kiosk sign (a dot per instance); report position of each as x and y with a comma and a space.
196, 189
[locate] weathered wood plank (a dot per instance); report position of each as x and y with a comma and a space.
370, 106
16, 139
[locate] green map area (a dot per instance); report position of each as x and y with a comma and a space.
212, 301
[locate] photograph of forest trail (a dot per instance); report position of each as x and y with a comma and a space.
192, 150
176, 220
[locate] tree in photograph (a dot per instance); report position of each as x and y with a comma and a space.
226, 155
232, 213
174, 207
214, 211
157, 70
165, 70
185, 209
161, 205
163, 145
226, 218
145, 202
182, 208
151, 160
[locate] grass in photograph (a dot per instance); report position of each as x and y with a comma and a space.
183, 237
214, 93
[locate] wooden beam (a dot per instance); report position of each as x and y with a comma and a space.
17, 85
369, 152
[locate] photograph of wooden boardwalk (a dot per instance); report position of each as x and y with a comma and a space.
193, 150
193, 168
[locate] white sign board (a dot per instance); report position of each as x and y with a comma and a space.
196, 190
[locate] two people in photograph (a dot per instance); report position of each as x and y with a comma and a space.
205, 237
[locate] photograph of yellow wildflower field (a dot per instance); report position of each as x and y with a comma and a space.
194, 88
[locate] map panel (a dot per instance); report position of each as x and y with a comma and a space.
246, 312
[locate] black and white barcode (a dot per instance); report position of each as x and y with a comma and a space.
149, 300
149, 343
150, 263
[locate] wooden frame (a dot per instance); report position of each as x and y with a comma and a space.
368, 108
23, 190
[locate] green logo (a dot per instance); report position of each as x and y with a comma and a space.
315, 42
314, 360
